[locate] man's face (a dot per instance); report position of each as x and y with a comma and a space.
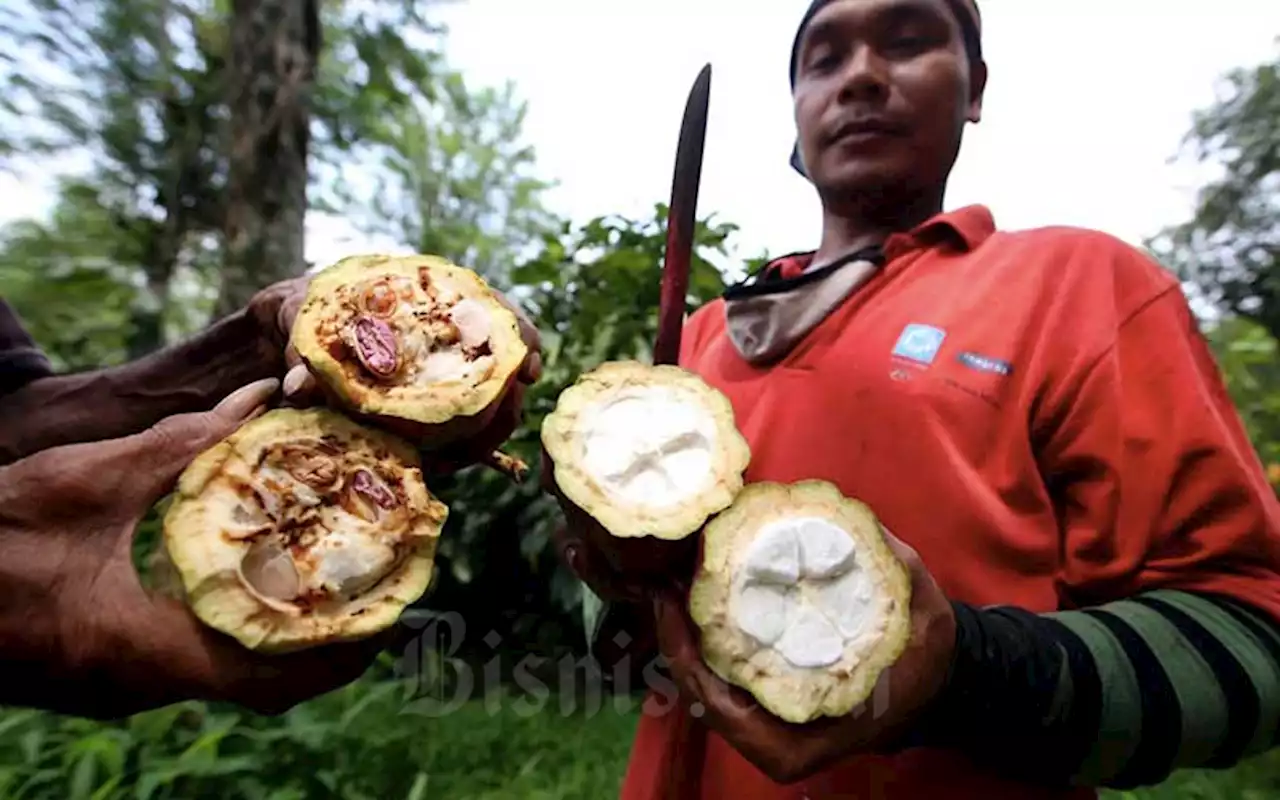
882, 92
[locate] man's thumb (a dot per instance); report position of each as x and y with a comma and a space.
236, 407
168, 447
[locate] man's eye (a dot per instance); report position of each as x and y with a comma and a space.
823, 60
906, 44
909, 42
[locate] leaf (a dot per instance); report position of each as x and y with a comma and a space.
419, 789
1229, 250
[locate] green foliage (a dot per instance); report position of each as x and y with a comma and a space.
594, 291
361, 742
128, 84
1257, 778
377, 59
1230, 248
137, 89
1248, 356
498, 567
456, 179
79, 283
364, 741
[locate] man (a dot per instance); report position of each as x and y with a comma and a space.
1036, 419
85, 457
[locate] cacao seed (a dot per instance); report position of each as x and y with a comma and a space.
370, 486
376, 347
269, 570
309, 465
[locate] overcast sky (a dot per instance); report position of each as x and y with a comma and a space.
1086, 103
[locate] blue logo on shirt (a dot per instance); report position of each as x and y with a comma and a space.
920, 343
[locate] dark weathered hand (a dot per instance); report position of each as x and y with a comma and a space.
787, 752
275, 308
90, 639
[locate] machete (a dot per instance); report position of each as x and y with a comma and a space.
681, 218
685, 749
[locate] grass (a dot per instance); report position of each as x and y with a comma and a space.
370, 741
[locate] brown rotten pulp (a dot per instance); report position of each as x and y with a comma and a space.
303, 528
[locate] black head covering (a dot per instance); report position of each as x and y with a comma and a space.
966, 12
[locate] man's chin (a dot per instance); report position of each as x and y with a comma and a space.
860, 178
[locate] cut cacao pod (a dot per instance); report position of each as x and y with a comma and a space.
641, 456
414, 344
303, 528
800, 599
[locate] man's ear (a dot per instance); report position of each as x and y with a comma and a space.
797, 162
977, 87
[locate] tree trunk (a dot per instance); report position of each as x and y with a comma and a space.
274, 48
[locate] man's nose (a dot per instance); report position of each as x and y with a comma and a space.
865, 76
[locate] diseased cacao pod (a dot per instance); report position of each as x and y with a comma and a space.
303, 528
413, 344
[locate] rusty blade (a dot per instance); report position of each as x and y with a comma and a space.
681, 219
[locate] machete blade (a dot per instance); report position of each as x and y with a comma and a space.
681, 218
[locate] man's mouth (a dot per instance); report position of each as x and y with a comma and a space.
865, 129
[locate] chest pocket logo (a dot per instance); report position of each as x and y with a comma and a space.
919, 343
981, 363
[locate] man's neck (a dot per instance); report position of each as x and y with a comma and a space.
852, 227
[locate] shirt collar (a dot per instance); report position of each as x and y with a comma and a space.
965, 228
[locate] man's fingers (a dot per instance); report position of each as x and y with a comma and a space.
150, 461
292, 357
235, 407
125, 476
292, 304
905, 552
175, 647
678, 641
300, 387
531, 369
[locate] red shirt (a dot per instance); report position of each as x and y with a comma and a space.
1037, 414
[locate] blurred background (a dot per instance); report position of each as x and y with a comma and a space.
160, 160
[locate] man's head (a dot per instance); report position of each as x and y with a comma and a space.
882, 91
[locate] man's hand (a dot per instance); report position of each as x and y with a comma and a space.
275, 308
75, 621
587, 564
786, 752
575, 542
192, 375
279, 306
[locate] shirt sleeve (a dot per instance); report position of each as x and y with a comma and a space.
1165, 654
1156, 480
1119, 695
21, 361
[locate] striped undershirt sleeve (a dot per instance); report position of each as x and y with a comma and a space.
1116, 696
